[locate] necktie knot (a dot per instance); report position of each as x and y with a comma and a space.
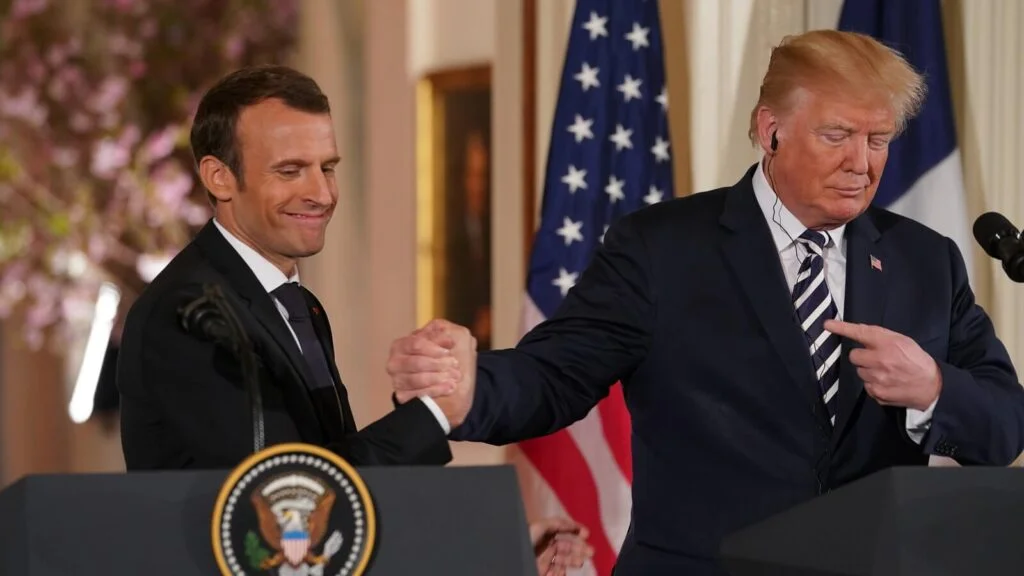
815, 240
292, 297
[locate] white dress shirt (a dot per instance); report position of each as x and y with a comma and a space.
785, 229
271, 278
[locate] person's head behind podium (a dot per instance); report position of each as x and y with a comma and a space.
264, 146
830, 104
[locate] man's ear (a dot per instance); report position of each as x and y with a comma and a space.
767, 127
217, 178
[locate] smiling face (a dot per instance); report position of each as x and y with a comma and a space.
287, 194
830, 156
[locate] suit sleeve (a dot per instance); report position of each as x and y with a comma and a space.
565, 365
184, 405
409, 435
979, 417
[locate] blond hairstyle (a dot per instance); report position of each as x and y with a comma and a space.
846, 63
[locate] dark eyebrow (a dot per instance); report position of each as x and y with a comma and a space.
298, 162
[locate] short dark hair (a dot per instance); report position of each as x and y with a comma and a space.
214, 129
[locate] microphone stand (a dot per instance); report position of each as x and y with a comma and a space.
224, 327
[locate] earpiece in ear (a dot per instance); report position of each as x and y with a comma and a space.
775, 142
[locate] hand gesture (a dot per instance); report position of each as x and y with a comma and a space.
895, 370
438, 360
559, 544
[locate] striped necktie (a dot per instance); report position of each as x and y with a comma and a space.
814, 305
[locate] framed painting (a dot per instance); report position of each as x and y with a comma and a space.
453, 114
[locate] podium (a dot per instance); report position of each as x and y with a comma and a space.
898, 522
431, 520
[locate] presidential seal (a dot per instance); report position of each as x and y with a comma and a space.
293, 510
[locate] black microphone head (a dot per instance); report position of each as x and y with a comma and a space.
990, 228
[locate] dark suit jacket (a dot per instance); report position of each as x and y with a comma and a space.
686, 303
183, 403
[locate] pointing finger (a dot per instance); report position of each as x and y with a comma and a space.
864, 333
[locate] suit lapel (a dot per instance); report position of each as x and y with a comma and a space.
244, 283
865, 304
750, 251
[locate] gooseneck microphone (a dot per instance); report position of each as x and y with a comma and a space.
211, 318
1001, 240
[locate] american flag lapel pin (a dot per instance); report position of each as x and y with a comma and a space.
876, 263
316, 310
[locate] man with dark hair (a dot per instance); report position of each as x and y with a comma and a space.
265, 150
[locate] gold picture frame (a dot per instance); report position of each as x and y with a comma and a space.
453, 190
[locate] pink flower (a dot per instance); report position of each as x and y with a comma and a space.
123, 45
130, 136
108, 157
171, 185
71, 75
76, 307
65, 157
25, 105
97, 248
110, 95
160, 145
80, 122
234, 46
26, 8
195, 214
56, 55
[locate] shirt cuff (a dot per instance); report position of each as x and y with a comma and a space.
436, 410
919, 422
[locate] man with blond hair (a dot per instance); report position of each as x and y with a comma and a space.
776, 339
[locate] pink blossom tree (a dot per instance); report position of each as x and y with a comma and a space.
96, 180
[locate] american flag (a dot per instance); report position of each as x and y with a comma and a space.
609, 155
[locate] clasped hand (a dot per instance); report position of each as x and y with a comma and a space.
438, 360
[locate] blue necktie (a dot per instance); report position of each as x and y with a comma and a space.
814, 305
293, 297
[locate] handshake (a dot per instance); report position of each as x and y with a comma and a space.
439, 360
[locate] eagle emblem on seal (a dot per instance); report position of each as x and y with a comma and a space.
294, 510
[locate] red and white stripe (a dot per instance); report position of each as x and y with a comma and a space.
295, 549
583, 472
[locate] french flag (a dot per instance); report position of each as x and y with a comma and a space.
923, 178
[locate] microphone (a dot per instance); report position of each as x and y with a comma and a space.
210, 317
203, 318
1001, 240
